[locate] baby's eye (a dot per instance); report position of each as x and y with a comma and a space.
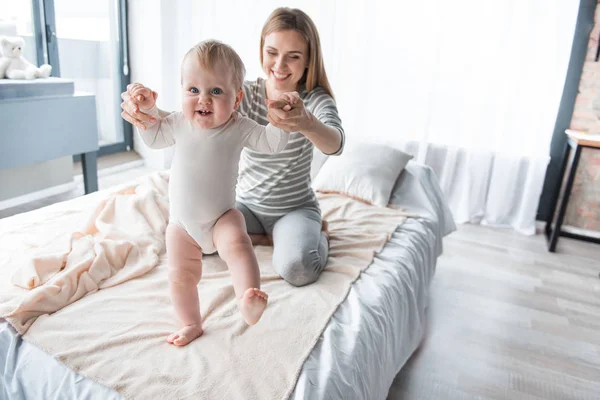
194, 90
216, 91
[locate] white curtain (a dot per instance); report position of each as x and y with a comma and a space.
470, 87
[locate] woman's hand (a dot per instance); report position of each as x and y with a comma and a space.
288, 113
138, 96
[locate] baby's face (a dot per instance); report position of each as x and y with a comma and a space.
208, 97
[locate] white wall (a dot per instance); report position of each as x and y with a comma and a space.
148, 53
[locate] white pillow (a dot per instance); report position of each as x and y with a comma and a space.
364, 171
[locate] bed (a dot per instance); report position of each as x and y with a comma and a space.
365, 343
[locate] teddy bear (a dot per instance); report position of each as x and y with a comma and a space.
14, 66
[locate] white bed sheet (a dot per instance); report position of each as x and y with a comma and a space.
367, 341
382, 321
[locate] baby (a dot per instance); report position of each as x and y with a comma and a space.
208, 135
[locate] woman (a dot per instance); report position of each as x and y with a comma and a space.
274, 191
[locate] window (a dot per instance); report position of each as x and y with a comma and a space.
84, 41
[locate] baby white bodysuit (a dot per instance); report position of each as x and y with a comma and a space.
204, 170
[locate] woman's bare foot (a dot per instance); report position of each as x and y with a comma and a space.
259, 239
252, 305
185, 335
325, 229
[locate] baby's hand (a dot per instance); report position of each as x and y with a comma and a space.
285, 101
290, 97
144, 97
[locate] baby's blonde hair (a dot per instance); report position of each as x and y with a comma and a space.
214, 54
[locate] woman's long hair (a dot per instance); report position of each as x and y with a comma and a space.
293, 19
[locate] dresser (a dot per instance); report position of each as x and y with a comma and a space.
45, 119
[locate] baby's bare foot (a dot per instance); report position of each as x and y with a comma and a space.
252, 305
185, 335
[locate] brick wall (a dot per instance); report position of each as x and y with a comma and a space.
584, 204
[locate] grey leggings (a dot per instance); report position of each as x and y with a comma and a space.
300, 249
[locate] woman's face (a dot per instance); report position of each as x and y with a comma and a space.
285, 58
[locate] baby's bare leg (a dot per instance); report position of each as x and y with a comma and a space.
185, 270
235, 248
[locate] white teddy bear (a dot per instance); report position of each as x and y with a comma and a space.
14, 66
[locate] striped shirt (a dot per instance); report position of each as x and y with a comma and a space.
275, 184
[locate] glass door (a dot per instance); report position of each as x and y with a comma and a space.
87, 42
17, 19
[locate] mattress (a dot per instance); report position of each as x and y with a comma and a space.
369, 338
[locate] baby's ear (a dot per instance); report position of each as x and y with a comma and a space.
238, 99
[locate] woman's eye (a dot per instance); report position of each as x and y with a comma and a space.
271, 53
194, 90
216, 91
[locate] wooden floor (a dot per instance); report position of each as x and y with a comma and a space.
507, 319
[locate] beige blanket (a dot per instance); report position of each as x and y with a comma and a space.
70, 290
